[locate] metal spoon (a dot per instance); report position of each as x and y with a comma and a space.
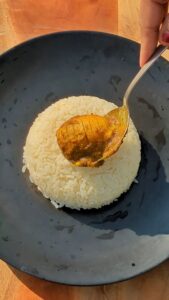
122, 113
157, 53
88, 140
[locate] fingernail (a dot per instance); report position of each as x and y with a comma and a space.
165, 37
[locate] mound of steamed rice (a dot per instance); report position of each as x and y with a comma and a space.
71, 186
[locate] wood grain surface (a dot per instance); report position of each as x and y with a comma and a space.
19, 21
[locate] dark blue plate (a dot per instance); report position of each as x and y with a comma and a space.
96, 246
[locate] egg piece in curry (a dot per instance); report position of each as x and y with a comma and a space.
87, 140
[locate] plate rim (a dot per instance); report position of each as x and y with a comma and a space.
17, 266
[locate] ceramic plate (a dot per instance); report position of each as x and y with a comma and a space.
83, 247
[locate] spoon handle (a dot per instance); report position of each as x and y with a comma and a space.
157, 53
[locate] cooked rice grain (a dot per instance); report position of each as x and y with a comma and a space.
58, 179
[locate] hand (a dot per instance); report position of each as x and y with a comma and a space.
154, 22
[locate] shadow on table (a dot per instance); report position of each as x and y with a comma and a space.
51, 291
143, 284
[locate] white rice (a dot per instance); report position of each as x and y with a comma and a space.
58, 179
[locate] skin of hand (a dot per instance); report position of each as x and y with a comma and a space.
154, 24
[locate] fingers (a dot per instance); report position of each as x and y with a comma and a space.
164, 32
152, 13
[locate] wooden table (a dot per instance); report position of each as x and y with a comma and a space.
21, 20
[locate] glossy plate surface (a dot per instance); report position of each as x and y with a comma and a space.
86, 247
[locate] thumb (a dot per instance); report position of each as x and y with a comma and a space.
164, 32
